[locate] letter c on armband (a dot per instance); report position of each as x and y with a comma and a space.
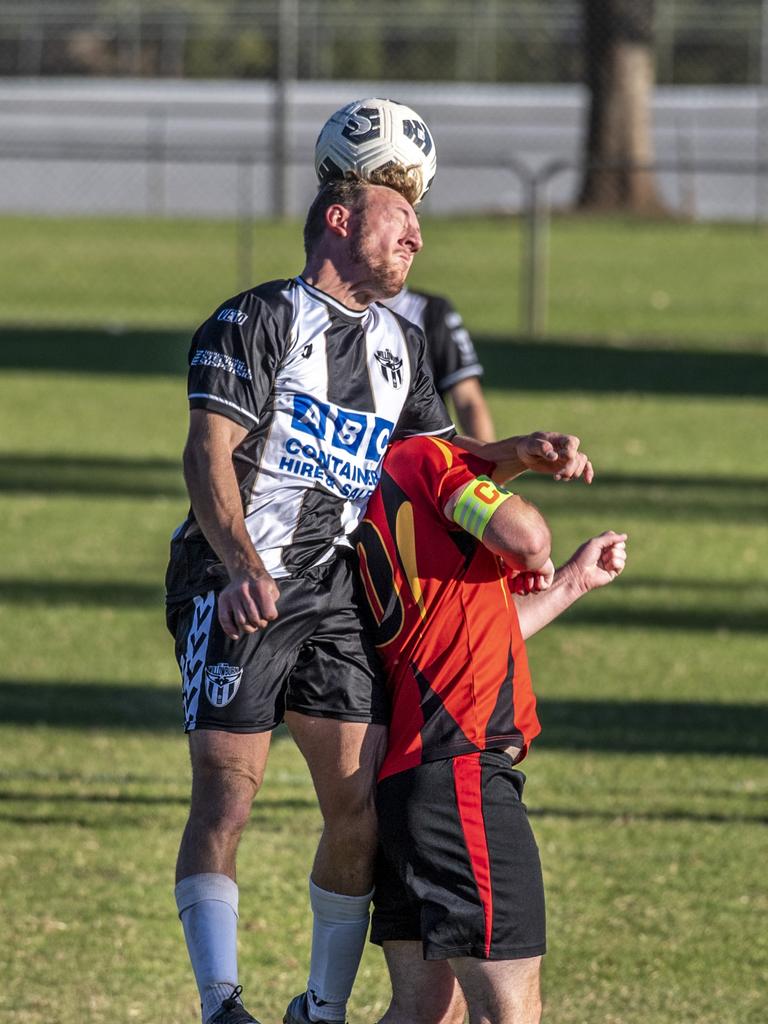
477, 503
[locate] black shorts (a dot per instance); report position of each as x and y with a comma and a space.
315, 658
458, 868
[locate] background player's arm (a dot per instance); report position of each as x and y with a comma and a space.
472, 410
247, 603
595, 564
516, 532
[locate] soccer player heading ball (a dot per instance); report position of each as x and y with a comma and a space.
372, 135
295, 389
375, 138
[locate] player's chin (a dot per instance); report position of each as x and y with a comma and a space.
391, 282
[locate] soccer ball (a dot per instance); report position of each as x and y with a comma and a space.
371, 134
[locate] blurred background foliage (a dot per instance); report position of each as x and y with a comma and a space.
698, 42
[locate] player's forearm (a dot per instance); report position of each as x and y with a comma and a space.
519, 534
472, 410
476, 421
503, 453
218, 508
537, 610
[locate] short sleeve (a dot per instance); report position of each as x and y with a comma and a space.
434, 468
451, 352
424, 411
233, 360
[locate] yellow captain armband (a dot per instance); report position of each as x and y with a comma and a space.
477, 503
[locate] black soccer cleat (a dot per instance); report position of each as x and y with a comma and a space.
297, 1012
232, 1011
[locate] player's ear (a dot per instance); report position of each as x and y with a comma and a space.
337, 218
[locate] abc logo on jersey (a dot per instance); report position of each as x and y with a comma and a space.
344, 429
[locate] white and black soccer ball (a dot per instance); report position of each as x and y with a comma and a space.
370, 134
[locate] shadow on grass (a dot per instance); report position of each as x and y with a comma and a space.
742, 607
675, 727
672, 498
641, 496
59, 593
91, 797
291, 804
564, 366
627, 817
143, 708
601, 725
154, 353
117, 594
709, 620
87, 475
127, 813
509, 364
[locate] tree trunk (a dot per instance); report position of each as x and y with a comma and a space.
620, 76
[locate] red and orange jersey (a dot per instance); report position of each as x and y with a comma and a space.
445, 623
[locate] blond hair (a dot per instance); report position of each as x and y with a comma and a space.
350, 191
407, 181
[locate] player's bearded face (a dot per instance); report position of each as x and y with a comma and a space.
377, 247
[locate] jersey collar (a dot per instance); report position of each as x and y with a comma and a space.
324, 297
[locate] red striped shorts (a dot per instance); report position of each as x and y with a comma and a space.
458, 866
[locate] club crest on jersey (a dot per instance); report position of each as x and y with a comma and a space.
391, 367
222, 682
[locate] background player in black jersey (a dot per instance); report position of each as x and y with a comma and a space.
445, 559
451, 357
295, 387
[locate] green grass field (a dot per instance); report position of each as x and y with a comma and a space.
648, 789
701, 284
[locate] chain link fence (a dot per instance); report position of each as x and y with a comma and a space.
139, 202
698, 42
123, 245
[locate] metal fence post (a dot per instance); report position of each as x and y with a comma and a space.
533, 292
762, 112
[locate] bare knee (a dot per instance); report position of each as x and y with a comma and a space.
224, 784
353, 818
428, 1010
343, 758
345, 857
423, 991
501, 991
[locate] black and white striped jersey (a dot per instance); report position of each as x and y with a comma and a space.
450, 352
321, 390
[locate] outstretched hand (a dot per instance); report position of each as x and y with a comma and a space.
555, 454
248, 604
599, 560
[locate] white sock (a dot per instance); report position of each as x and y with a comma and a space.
339, 928
208, 910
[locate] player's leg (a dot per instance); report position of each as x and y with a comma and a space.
466, 858
227, 770
499, 971
337, 711
232, 700
343, 759
423, 991
500, 991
